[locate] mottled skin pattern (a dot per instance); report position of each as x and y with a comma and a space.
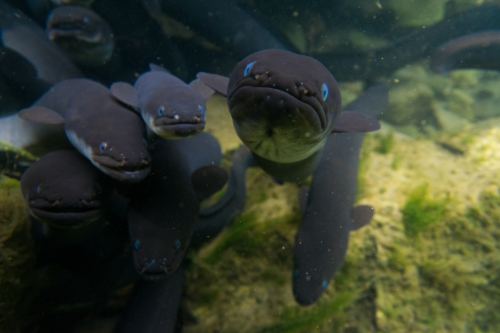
89, 111
64, 189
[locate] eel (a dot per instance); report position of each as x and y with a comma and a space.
171, 108
82, 34
28, 58
417, 45
271, 88
323, 234
153, 306
89, 112
476, 50
64, 189
223, 22
284, 107
163, 209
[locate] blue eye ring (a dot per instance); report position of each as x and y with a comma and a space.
200, 108
136, 244
324, 91
38, 190
177, 244
324, 284
103, 146
161, 109
248, 68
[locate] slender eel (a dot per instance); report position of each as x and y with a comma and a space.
476, 50
322, 237
171, 108
28, 58
164, 208
82, 34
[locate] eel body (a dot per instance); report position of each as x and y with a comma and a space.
322, 237
153, 306
476, 50
88, 111
163, 209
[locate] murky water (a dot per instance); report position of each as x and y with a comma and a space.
110, 241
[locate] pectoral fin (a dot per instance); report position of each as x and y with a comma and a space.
353, 122
205, 91
218, 83
207, 180
125, 93
41, 115
361, 215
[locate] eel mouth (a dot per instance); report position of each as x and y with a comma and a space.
65, 216
305, 97
152, 272
121, 171
178, 130
72, 29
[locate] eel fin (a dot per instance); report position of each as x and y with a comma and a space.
353, 122
125, 93
41, 115
16, 67
205, 91
303, 195
217, 82
208, 179
157, 68
361, 215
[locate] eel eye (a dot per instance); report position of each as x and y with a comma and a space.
103, 146
248, 68
177, 244
161, 109
145, 143
85, 19
324, 91
200, 108
136, 244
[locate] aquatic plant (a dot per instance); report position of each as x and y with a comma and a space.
420, 212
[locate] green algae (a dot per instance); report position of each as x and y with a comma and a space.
294, 321
16, 257
419, 211
385, 143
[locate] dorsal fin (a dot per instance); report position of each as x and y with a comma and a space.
217, 82
353, 122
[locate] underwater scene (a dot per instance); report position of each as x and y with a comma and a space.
253, 166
